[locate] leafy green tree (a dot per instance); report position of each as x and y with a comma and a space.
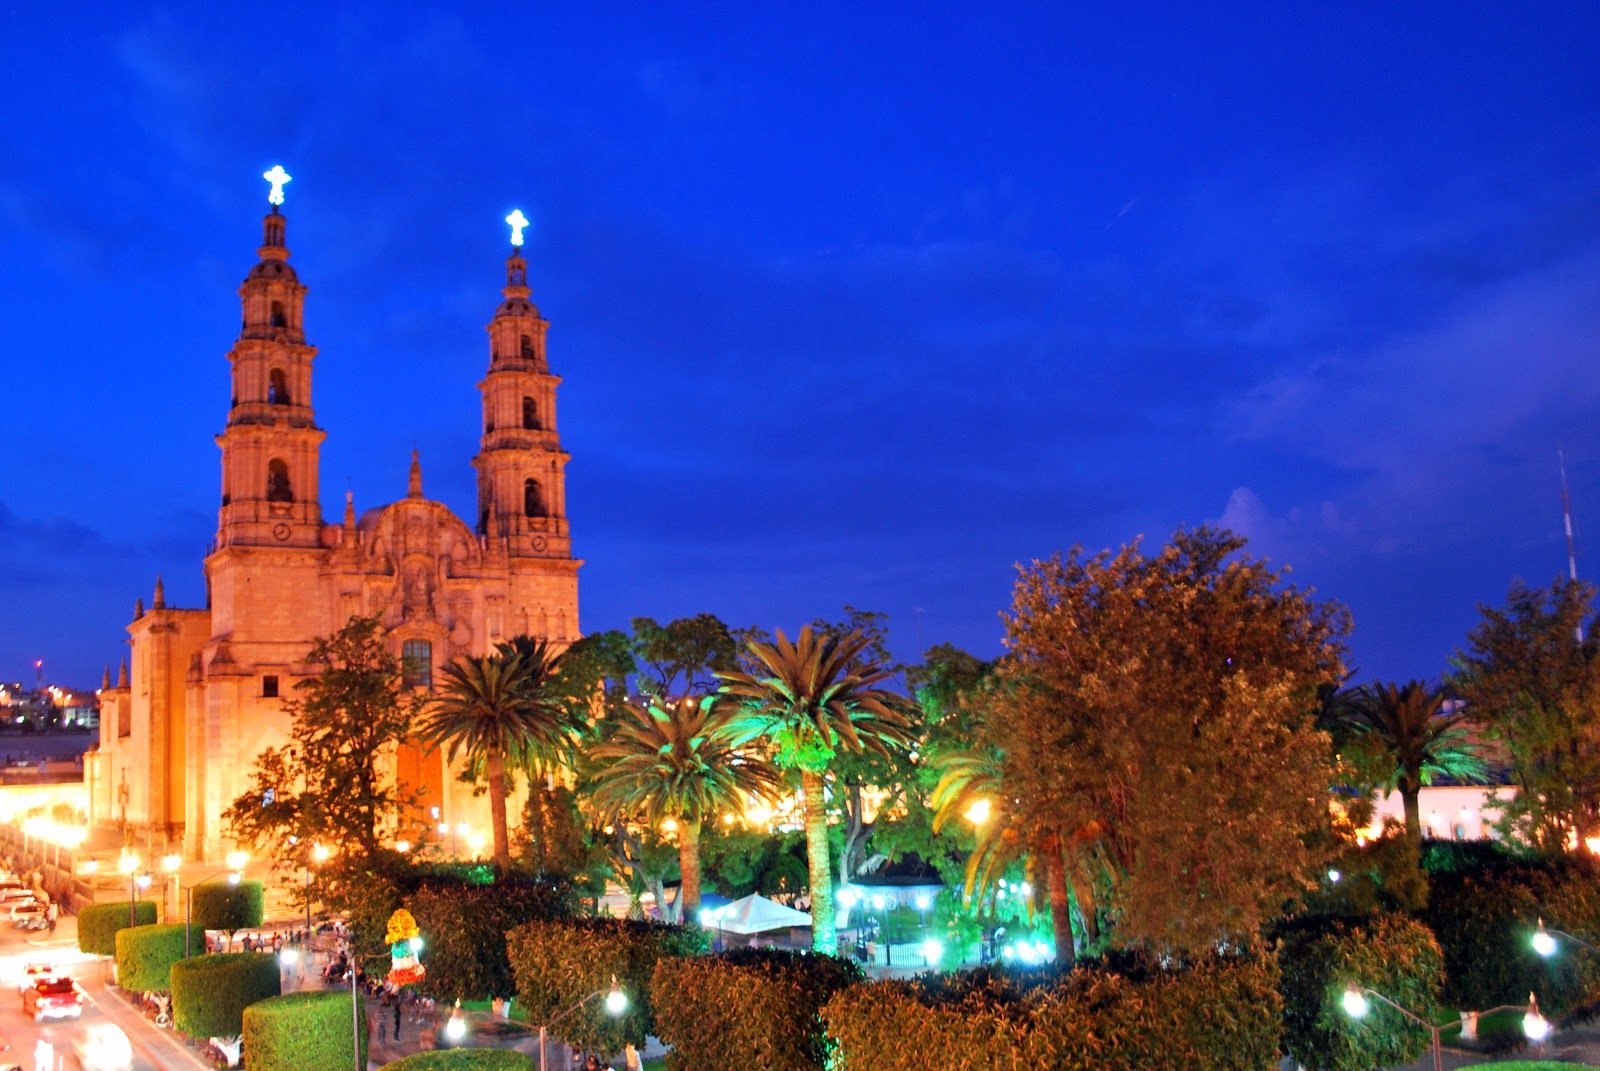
682, 656
1536, 688
1404, 737
683, 760
1153, 713
814, 698
601, 665
499, 709
327, 783
555, 839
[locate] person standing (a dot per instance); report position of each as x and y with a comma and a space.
397, 1012
51, 911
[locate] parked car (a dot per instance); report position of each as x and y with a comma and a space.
53, 998
31, 916
102, 1047
35, 972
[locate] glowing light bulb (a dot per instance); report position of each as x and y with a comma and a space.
979, 812
616, 1002
1544, 944
1355, 1002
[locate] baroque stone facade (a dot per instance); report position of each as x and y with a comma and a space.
179, 734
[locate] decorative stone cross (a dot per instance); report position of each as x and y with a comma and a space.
277, 176
517, 221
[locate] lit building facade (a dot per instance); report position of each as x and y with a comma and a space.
203, 691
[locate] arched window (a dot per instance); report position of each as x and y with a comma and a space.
278, 319
532, 499
416, 663
278, 489
277, 387
530, 414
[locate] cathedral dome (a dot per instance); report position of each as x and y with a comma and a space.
273, 269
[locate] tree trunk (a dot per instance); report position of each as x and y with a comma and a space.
1055, 877
1409, 794
823, 938
1083, 901
855, 834
495, 768
689, 863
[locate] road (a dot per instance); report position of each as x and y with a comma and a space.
48, 1046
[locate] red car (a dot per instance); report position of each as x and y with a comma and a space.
52, 998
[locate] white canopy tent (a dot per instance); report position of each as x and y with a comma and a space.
757, 914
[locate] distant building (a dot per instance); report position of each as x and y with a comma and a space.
203, 693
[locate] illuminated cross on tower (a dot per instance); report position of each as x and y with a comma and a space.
517, 221
277, 176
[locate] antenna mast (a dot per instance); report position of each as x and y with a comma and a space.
1566, 513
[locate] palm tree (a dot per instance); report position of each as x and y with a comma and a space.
971, 788
500, 709
815, 697
681, 760
1401, 731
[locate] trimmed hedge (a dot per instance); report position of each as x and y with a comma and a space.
749, 1007
1485, 919
302, 1032
1117, 1014
1392, 954
465, 927
98, 925
145, 954
221, 905
210, 993
463, 1060
558, 963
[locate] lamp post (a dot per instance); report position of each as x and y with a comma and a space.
616, 1004
128, 863
1534, 1026
922, 908
234, 877
319, 855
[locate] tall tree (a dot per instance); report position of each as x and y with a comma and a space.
326, 784
1155, 712
814, 698
1403, 737
1528, 679
497, 709
681, 657
686, 761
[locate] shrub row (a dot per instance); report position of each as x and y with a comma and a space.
210, 993
558, 963
1485, 918
747, 1008
1319, 957
145, 954
465, 926
302, 1032
98, 925
1219, 1014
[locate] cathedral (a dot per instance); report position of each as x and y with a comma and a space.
203, 691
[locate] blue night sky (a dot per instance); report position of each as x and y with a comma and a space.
854, 303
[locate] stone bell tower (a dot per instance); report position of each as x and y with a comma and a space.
271, 444
521, 466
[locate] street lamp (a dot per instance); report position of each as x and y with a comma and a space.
1544, 940
319, 855
1356, 1005
616, 1004
128, 863
922, 908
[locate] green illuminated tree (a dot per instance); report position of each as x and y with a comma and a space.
1155, 713
814, 698
683, 760
1535, 686
501, 709
1401, 735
